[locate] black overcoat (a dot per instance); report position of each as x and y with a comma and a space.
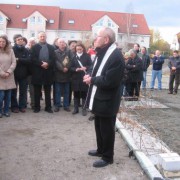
134, 66
41, 76
23, 62
107, 97
77, 76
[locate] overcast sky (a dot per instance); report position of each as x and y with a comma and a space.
162, 15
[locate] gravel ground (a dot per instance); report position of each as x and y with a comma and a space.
54, 147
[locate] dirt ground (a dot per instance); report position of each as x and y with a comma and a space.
54, 146
166, 122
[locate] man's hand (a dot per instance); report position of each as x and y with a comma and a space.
87, 79
44, 65
83, 68
173, 68
6, 75
65, 69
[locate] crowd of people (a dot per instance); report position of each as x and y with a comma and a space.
97, 77
39, 66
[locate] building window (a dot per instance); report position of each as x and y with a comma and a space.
72, 36
121, 37
32, 20
100, 23
32, 34
39, 20
1, 32
63, 35
94, 35
1, 19
71, 21
110, 24
142, 39
134, 25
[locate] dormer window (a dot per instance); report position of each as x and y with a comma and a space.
110, 24
71, 21
32, 20
1, 19
100, 23
134, 25
39, 20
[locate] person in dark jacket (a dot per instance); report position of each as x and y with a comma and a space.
134, 67
157, 62
145, 64
72, 45
174, 65
21, 73
105, 81
62, 78
80, 64
125, 80
30, 44
43, 56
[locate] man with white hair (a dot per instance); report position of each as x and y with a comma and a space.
62, 78
135, 74
105, 81
43, 56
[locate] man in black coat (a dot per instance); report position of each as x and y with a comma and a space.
105, 81
135, 74
42, 71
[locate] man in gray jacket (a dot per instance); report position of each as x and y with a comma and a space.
62, 76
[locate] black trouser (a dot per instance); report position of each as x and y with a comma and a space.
80, 94
172, 78
37, 95
133, 88
105, 136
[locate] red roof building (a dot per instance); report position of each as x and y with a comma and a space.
71, 24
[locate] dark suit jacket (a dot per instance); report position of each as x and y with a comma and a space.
41, 76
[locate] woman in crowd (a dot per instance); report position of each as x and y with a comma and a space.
7, 66
81, 62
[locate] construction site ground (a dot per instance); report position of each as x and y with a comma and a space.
43, 146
